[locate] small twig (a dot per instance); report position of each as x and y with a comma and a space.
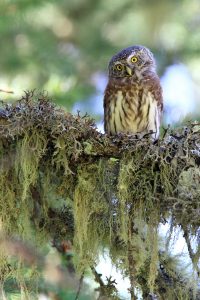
6, 91
106, 290
193, 256
131, 261
97, 277
165, 132
79, 287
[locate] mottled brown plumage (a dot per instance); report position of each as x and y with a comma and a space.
133, 100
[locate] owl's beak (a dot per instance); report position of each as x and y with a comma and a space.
129, 70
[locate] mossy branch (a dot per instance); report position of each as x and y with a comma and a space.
62, 179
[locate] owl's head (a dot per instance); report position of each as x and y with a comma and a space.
132, 61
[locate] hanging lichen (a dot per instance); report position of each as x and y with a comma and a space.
90, 215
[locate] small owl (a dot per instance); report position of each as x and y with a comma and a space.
133, 100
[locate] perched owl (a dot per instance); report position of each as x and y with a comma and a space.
133, 100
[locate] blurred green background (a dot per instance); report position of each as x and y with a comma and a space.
64, 46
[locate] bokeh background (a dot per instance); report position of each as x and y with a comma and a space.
64, 47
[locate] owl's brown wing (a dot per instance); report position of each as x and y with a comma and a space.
109, 96
155, 91
155, 88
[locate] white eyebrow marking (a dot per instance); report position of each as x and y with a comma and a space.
132, 54
118, 62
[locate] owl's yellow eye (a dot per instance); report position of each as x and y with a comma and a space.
134, 59
119, 67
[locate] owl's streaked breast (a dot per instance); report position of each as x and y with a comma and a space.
132, 112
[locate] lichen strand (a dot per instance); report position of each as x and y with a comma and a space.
62, 179
90, 215
139, 213
29, 151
